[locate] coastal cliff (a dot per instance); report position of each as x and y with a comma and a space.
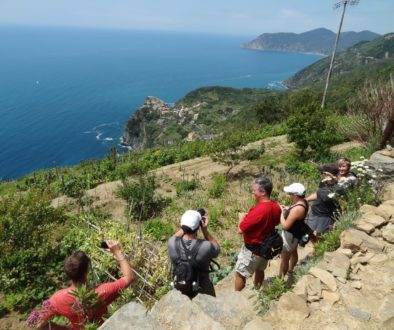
201, 115
317, 41
157, 123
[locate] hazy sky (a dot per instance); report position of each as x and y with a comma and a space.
237, 17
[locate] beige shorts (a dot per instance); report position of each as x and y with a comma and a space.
289, 241
248, 263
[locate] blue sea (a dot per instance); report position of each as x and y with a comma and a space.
65, 94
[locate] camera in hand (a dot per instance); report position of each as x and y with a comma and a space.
202, 213
103, 245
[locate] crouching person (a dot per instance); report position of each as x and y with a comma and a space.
63, 302
191, 256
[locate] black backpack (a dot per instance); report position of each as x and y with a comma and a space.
185, 272
271, 246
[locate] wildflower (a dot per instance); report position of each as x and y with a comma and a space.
47, 304
77, 305
33, 319
331, 195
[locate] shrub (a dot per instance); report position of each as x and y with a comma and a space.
140, 197
253, 154
368, 112
225, 150
159, 230
311, 127
184, 186
269, 110
30, 257
218, 186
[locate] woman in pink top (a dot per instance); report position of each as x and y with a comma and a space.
63, 302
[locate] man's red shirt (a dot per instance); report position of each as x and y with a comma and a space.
260, 222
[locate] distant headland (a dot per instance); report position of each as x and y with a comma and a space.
317, 41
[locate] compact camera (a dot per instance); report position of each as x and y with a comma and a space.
202, 213
103, 245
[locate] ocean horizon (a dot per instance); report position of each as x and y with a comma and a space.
66, 93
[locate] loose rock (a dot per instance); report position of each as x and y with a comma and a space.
325, 277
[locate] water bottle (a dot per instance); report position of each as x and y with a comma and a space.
304, 240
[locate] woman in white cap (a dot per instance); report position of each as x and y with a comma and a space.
293, 225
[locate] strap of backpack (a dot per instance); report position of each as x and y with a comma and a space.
178, 241
212, 268
304, 205
190, 254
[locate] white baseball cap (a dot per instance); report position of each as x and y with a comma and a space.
296, 188
191, 219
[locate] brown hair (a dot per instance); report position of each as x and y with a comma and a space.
344, 160
76, 266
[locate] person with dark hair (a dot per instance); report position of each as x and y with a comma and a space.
256, 226
185, 242
63, 302
292, 221
325, 207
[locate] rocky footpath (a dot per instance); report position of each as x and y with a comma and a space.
350, 288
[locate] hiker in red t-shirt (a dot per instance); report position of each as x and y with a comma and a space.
63, 303
255, 226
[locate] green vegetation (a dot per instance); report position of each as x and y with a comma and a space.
311, 127
36, 237
140, 197
218, 186
28, 240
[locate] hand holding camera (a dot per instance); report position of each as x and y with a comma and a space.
204, 218
113, 246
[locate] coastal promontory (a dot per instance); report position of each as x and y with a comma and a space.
317, 41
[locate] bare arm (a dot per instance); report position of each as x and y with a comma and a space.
125, 268
311, 197
207, 235
295, 214
241, 216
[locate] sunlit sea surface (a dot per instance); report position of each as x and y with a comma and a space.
65, 94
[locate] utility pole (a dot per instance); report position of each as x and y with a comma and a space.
336, 6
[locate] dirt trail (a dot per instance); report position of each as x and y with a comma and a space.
104, 195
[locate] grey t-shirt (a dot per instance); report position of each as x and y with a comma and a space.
206, 252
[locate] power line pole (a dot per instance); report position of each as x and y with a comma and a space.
336, 6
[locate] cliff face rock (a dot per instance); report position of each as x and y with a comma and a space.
200, 115
137, 133
318, 41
